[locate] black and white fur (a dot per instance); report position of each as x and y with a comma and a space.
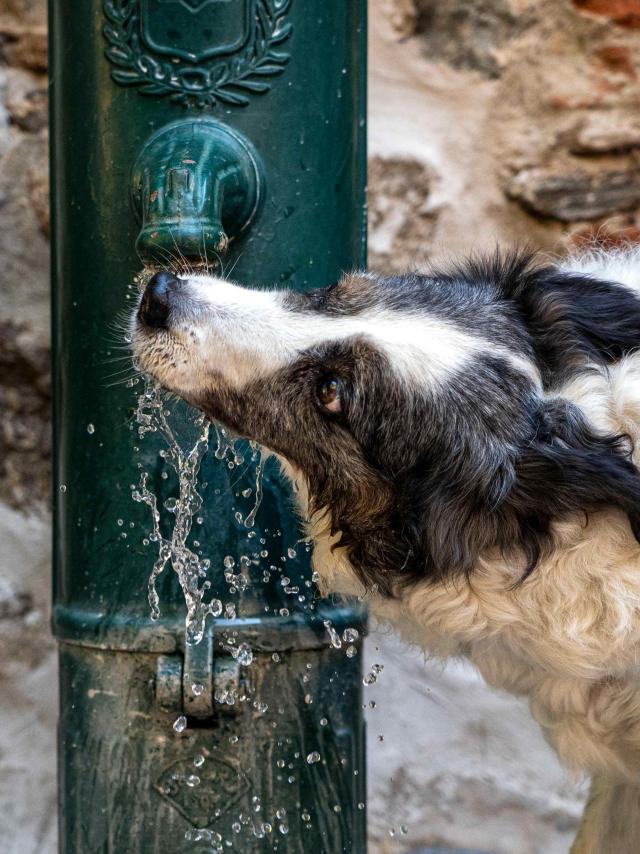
475, 474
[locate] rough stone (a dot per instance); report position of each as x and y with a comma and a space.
13, 601
618, 59
25, 48
24, 287
27, 101
25, 432
571, 196
401, 220
28, 689
467, 33
39, 194
625, 13
29, 15
606, 133
402, 15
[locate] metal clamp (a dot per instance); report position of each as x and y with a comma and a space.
199, 684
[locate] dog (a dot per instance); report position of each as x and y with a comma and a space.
463, 447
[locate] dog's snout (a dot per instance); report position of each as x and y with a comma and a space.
155, 305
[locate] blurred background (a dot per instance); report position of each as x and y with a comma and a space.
491, 121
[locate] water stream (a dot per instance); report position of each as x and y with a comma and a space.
152, 416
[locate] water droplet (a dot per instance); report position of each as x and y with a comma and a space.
180, 724
192, 781
200, 835
198, 760
334, 637
313, 757
91, 429
244, 654
350, 635
292, 553
404, 829
283, 828
380, 738
229, 562
63, 487
351, 651
372, 676
198, 689
323, 721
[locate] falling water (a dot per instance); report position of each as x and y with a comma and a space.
153, 417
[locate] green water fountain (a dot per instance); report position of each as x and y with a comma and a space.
229, 133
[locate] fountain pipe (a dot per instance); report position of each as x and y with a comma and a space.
198, 132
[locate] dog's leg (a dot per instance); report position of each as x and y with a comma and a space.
611, 819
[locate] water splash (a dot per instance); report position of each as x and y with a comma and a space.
251, 518
191, 569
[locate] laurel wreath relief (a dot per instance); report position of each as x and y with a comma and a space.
227, 80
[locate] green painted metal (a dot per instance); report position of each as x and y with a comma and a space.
270, 97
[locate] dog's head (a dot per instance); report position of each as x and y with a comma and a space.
417, 413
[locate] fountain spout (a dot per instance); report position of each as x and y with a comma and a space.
197, 184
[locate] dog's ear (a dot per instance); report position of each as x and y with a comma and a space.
450, 511
571, 317
567, 468
508, 499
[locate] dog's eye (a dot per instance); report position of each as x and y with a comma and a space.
329, 393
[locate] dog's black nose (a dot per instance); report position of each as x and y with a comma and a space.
154, 308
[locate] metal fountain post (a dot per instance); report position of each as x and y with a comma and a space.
217, 128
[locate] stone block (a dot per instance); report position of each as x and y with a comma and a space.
401, 220
573, 196
624, 13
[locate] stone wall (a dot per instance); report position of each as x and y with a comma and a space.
491, 121
510, 120
25, 446
27, 663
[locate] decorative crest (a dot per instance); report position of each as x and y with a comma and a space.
221, 786
199, 52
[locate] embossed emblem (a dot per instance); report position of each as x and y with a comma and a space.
199, 52
220, 786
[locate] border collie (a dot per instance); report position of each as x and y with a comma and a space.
463, 449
